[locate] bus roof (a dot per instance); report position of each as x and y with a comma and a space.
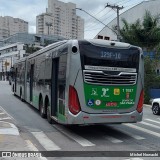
101, 42
47, 48
98, 42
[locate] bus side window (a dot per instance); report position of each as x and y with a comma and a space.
48, 68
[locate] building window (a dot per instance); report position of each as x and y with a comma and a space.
100, 37
107, 38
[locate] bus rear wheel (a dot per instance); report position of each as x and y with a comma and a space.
49, 119
42, 109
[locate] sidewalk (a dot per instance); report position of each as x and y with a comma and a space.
10, 138
148, 105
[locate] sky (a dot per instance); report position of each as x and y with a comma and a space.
29, 9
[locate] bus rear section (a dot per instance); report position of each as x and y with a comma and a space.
106, 83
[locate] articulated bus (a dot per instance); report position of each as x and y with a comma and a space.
83, 82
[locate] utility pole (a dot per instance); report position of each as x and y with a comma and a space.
117, 8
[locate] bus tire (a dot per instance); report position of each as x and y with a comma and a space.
41, 108
49, 119
21, 95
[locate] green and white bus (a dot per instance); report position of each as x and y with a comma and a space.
83, 82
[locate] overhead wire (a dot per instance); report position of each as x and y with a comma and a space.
121, 3
93, 25
104, 15
97, 14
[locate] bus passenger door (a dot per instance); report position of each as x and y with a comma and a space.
54, 87
31, 82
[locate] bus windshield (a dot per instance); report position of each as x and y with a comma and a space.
92, 55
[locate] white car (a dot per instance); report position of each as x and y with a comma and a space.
156, 106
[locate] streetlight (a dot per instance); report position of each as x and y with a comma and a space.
96, 19
49, 24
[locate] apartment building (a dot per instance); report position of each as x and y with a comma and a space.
61, 19
45, 24
10, 26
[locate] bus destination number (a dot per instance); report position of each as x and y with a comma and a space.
111, 55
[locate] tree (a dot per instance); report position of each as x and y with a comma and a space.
146, 34
31, 49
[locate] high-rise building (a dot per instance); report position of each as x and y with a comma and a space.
45, 24
61, 19
10, 26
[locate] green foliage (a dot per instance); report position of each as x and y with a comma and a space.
146, 34
151, 79
31, 49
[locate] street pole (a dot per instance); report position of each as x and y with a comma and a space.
118, 9
2, 71
6, 69
96, 19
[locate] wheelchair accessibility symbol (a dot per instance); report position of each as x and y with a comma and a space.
90, 102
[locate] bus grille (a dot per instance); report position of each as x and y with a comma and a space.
101, 78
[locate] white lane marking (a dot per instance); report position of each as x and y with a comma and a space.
2, 113
33, 148
82, 141
9, 131
152, 121
5, 118
6, 113
113, 140
12, 130
45, 141
149, 124
134, 159
137, 137
143, 129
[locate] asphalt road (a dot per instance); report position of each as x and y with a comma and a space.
143, 136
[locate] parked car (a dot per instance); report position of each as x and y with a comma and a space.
156, 106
